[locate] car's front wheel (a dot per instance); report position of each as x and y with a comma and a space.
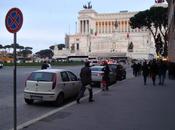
28, 101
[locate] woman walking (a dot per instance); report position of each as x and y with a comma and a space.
145, 71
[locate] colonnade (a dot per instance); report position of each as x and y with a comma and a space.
106, 27
84, 26
109, 26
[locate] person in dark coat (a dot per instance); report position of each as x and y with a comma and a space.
44, 65
145, 71
105, 77
134, 67
85, 76
153, 71
162, 68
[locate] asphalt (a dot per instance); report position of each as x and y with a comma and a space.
128, 105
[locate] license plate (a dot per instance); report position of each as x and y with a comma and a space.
36, 97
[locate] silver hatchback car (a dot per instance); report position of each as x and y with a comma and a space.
51, 85
97, 74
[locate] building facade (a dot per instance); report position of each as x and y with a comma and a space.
109, 35
171, 26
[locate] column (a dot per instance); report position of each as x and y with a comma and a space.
96, 28
109, 26
127, 26
80, 27
99, 29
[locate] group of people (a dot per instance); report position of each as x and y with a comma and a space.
85, 76
153, 69
137, 68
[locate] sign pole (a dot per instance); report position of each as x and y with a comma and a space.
14, 88
13, 22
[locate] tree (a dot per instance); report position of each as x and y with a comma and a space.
45, 53
8, 47
1, 47
25, 53
156, 21
52, 47
61, 46
28, 48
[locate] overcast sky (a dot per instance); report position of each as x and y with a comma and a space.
47, 21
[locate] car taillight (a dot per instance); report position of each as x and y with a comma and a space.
27, 79
54, 79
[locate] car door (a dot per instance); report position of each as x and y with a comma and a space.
65, 84
75, 83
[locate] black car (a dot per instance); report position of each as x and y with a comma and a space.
1, 64
119, 70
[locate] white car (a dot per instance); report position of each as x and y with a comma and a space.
51, 85
97, 73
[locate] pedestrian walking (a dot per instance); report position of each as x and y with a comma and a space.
134, 68
44, 65
105, 78
162, 68
85, 76
145, 71
153, 71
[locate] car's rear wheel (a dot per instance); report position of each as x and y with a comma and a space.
60, 100
29, 101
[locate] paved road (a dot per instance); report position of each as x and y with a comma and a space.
25, 112
128, 105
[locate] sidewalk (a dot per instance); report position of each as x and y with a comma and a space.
128, 105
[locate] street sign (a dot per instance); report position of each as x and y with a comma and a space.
14, 20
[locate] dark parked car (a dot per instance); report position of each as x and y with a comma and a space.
119, 70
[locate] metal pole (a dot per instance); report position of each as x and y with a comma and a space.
14, 83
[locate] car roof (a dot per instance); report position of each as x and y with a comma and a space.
50, 70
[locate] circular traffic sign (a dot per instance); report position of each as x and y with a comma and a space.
14, 20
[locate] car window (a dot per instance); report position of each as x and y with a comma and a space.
72, 76
41, 76
64, 76
96, 69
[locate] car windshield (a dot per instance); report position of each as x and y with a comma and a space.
41, 76
96, 69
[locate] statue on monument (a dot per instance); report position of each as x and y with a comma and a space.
89, 6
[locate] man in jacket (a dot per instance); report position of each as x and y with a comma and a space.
85, 76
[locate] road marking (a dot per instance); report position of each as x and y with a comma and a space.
28, 123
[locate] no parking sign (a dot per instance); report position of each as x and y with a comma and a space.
14, 20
